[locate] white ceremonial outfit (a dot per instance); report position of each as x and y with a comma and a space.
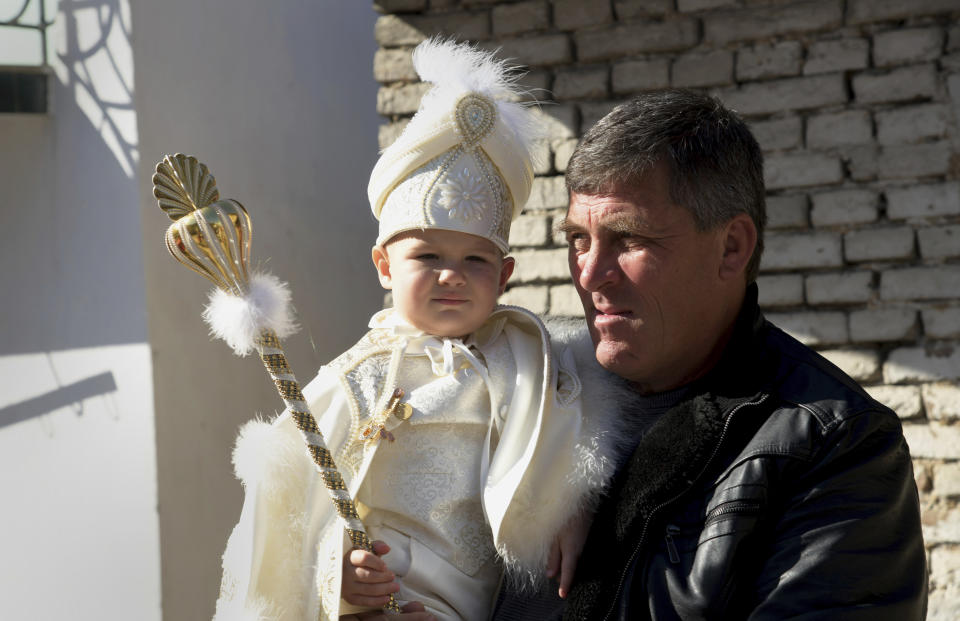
491, 463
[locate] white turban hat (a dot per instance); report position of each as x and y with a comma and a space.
464, 162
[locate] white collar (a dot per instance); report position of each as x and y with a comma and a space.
389, 319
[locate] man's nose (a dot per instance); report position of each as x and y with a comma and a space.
596, 268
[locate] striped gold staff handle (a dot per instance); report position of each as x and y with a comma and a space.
212, 237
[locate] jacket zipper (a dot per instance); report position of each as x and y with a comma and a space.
671, 547
740, 506
646, 523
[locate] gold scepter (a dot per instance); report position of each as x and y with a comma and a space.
212, 237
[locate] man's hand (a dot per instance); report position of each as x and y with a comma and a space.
566, 548
413, 611
366, 579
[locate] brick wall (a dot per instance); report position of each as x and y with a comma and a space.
856, 104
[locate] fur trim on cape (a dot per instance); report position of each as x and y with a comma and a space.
263, 453
268, 459
597, 449
603, 394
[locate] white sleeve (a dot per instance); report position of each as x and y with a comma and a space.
266, 565
531, 492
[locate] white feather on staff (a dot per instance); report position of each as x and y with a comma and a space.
239, 320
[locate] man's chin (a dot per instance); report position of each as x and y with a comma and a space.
615, 356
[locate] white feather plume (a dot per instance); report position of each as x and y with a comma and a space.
238, 320
458, 68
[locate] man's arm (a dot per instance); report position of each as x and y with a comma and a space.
849, 544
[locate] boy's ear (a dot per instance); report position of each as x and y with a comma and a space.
506, 270
381, 261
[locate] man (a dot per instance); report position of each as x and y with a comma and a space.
763, 482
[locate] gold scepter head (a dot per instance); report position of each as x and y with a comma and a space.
212, 237
208, 235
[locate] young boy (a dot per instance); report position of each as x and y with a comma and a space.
456, 428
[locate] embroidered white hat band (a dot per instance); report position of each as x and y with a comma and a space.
464, 162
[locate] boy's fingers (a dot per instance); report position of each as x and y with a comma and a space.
367, 600
568, 566
412, 607
369, 576
414, 611
362, 558
553, 559
379, 547
375, 590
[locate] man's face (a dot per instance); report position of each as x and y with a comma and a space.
648, 282
443, 282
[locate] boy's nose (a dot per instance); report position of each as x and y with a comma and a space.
450, 276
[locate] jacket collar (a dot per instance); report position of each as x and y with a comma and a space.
675, 452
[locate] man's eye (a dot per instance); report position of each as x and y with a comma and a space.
636, 242
578, 241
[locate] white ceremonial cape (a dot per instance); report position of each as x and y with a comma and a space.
544, 462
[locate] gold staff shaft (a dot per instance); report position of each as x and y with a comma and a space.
212, 237
271, 353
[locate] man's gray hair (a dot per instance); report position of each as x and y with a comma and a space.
714, 162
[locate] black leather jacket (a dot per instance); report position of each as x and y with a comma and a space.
780, 490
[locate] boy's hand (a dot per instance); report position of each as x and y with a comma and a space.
566, 548
366, 579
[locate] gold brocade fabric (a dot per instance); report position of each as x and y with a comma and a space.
432, 494
427, 483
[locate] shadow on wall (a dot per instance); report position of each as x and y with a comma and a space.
70, 244
71, 394
95, 67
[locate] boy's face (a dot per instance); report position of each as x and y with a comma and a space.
445, 283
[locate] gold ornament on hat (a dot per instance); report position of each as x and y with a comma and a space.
212, 237
475, 116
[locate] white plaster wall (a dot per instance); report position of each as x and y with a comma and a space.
278, 99
79, 530
117, 413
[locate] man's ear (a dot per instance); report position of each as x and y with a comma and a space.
506, 270
381, 261
739, 241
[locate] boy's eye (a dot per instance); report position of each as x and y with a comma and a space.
476, 259
427, 256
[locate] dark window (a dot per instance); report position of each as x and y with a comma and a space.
24, 76
23, 91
